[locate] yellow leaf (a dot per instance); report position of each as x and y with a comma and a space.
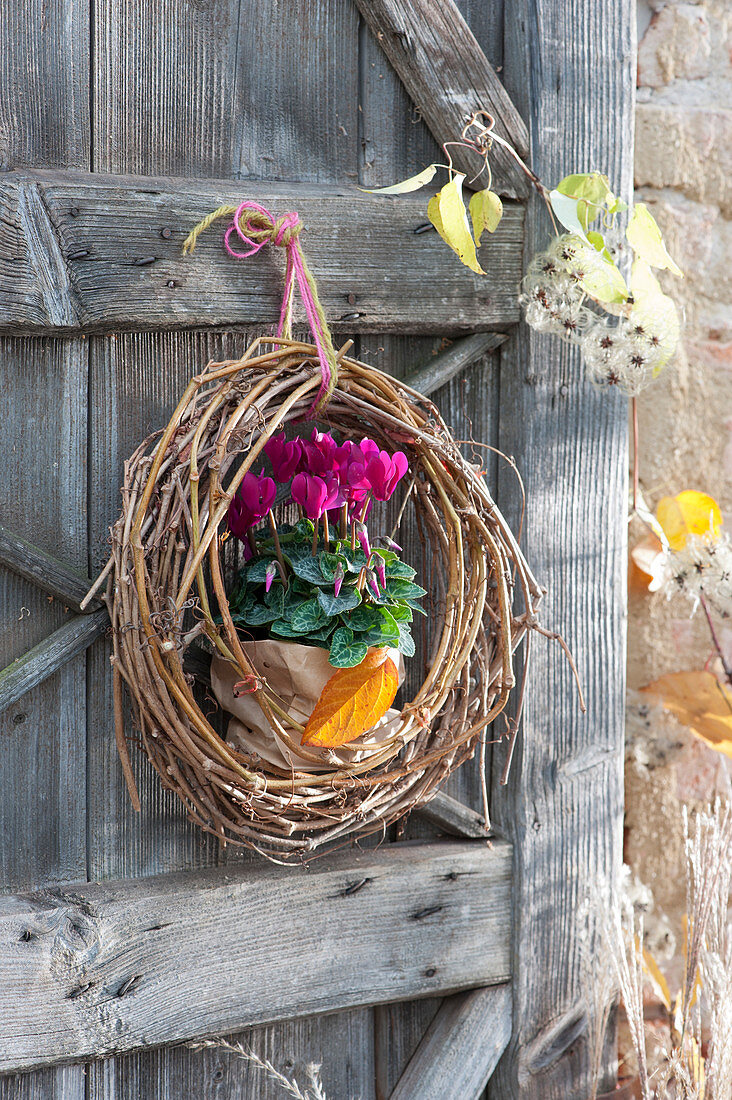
604, 283
446, 211
654, 972
698, 700
486, 211
654, 311
644, 237
412, 184
352, 701
688, 513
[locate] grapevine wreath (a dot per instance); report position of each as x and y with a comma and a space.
189, 600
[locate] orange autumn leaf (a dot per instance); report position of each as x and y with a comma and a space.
698, 700
352, 701
688, 513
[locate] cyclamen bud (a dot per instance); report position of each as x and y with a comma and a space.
390, 544
379, 566
338, 579
373, 583
363, 537
270, 574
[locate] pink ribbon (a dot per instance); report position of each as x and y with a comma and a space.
295, 269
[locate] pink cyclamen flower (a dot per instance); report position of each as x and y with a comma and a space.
252, 501
338, 579
315, 495
269, 575
319, 454
385, 471
285, 456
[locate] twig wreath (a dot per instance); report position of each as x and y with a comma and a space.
169, 586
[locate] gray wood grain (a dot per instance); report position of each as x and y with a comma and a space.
42, 500
461, 1048
448, 77
44, 571
448, 364
563, 806
74, 269
35, 666
44, 74
96, 968
341, 1043
453, 817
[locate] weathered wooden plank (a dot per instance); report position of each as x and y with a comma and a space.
44, 122
49, 656
447, 365
341, 1043
374, 273
45, 571
296, 107
97, 968
461, 1047
563, 804
453, 817
449, 78
44, 74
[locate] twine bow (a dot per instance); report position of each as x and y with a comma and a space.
256, 227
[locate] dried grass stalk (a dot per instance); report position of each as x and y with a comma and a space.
168, 583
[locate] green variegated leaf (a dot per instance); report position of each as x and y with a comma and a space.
306, 566
344, 651
401, 612
486, 211
406, 641
275, 599
399, 589
363, 618
346, 600
286, 630
645, 238
414, 183
384, 632
308, 616
446, 211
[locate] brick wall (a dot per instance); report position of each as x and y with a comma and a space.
683, 170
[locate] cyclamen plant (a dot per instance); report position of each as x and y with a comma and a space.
323, 581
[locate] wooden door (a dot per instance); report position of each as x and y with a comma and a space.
120, 125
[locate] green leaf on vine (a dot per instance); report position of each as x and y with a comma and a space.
645, 238
567, 211
446, 211
412, 184
593, 194
486, 211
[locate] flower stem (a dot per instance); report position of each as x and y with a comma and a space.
252, 543
315, 539
716, 641
326, 531
344, 522
278, 548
